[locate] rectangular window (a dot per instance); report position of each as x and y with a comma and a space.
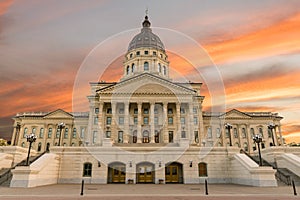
170, 111
146, 52
108, 120
96, 120
196, 135
146, 111
138, 53
87, 170
195, 120
195, 110
57, 133
155, 111
183, 134
120, 137
170, 120
135, 111
135, 120
146, 120
121, 120
235, 133
154, 53
66, 134
155, 120
96, 110
95, 137
209, 132
171, 137
218, 133
108, 134
121, 111
108, 111
82, 132
182, 110
182, 120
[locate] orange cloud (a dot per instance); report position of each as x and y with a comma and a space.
280, 38
4, 5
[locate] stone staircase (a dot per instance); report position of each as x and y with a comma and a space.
6, 174
283, 175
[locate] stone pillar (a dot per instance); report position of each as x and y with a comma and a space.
178, 135
152, 127
165, 123
280, 135
114, 134
126, 123
101, 122
139, 126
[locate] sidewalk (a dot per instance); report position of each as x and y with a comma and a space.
147, 190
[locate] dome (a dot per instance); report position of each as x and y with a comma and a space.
146, 38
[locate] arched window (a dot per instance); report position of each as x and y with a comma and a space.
66, 133
146, 66
202, 167
244, 135
146, 137
252, 132
127, 70
49, 132
134, 136
23, 144
87, 170
159, 68
33, 130
74, 132
260, 130
165, 70
41, 133
132, 67
156, 137
39, 146
25, 132
235, 132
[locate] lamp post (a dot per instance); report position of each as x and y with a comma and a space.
228, 127
60, 126
257, 138
30, 138
271, 126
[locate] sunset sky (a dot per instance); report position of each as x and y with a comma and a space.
254, 44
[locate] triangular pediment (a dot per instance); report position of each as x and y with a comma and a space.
58, 114
147, 84
236, 114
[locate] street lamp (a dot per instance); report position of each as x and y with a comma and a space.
271, 126
257, 138
60, 126
228, 127
30, 138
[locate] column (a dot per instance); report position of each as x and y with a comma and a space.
178, 135
114, 134
190, 134
101, 122
165, 132
126, 123
139, 126
152, 127
280, 136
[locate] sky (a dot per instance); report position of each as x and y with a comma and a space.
255, 46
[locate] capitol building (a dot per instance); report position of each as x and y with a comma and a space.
146, 128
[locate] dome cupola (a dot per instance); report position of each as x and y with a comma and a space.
146, 54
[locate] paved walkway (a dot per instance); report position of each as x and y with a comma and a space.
151, 191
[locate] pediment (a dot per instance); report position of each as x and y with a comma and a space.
236, 114
58, 114
146, 84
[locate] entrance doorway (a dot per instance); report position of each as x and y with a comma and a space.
145, 173
174, 173
116, 173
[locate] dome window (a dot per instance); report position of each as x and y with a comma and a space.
137, 53
146, 52
132, 67
130, 55
154, 53
127, 70
146, 66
